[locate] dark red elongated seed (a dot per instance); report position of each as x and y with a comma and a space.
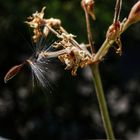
12, 72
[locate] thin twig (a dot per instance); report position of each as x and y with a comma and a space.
117, 10
90, 38
55, 54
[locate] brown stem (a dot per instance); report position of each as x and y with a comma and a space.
90, 38
117, 10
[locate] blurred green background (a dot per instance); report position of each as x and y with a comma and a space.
69, 110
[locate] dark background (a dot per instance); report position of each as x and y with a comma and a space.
69, 109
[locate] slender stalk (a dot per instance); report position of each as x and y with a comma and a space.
103, 50
117, 10
102, 102
89, 34
55, 54
97, 80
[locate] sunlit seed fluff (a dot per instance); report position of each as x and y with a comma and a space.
39, 71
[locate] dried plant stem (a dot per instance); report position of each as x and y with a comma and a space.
102, 102
117, 10
90, 40
97, 81
103, 50
52, 54
98, 85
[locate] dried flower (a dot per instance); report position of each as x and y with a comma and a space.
37, 22
36, 18
74, 59
88, 6
134, 15
69, 51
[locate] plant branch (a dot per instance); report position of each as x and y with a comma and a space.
107, 44
97, 81
103, 50
102, 102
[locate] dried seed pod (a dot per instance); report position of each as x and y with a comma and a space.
134, 15
13, 72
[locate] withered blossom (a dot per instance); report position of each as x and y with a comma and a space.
36, 21
69, 51
88, 6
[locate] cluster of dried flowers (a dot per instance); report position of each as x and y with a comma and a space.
73, 54
68, 50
